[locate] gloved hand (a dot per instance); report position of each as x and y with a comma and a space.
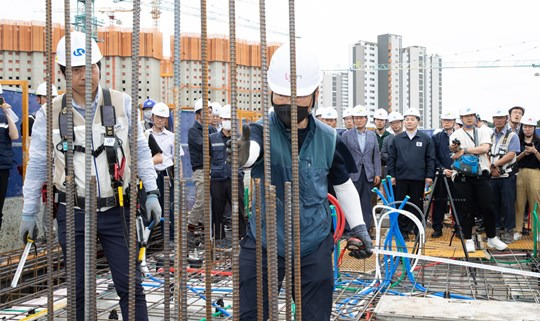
243, 147
153, 209
359, 245
28, 228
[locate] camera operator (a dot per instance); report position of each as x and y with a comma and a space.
475, 190
505, 147
443, 164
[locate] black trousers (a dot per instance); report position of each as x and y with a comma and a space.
440, 201
415, 190
221, 193
476, 193
317, 281
4, 180
110, 232
161, 186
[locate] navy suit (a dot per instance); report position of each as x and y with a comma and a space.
368, 163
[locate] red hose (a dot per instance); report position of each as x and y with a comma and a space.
340, 226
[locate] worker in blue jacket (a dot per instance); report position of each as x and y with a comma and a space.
411, 163
320, 163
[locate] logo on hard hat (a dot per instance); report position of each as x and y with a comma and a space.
288, 77
79, 52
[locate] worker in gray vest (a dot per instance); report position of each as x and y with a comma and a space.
110, 138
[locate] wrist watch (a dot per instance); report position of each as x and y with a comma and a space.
465, 150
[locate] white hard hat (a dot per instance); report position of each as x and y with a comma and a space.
448, 115
329, 113
529, 120
215, 108
395, 116
225, 111
347, 112
360, 110
319, 111
198, 105
464, 111
380, 114
500, 112
308, 71
161, 109
42, 90
412, 112
78, 50
458, 121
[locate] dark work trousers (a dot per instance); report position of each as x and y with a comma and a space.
4, 179
317, 281
415, 190
476, 194
364, 192
221, 193
440, 201
110, 231
504, 191
161, 187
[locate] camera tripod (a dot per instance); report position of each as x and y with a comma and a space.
457, 226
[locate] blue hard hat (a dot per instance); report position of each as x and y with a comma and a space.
149, 103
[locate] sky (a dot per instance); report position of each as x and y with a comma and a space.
466, 34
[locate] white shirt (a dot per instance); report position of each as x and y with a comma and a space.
165, 140
484, 137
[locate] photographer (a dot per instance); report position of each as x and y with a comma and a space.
443, 164
505, 147
474, 188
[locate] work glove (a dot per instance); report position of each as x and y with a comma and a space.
153, 209
243, 147
359, 244
28, 228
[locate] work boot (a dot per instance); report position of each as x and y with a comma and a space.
436, 234
496, 243
469, 245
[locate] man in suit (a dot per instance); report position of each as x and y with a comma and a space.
362, 144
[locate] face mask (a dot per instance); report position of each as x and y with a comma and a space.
226, 124
284, 112
147, 114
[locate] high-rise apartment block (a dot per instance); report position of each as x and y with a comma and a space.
334, 92
388, 76
22, 57
365, 76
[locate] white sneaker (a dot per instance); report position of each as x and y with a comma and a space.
517, 236
496, 243
469, 245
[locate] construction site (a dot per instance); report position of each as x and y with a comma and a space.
193, 275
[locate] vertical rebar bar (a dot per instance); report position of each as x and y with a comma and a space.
288, 250
266, 137
90, 237
180, 213
133, 152
49, 200
258, 249
89, 196
166, 251
183, 254
295, 178
206, 165
271, 253
70, 179
234, 163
